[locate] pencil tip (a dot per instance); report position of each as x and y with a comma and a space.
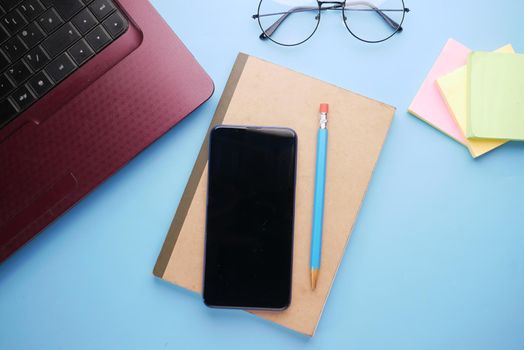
314, 279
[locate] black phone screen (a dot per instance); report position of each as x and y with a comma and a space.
250, 213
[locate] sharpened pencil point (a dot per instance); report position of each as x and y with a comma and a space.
314, 279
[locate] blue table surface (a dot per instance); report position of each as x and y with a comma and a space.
436, 258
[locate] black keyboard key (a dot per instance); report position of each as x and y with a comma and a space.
4, 62
50, 20
40, 84
37, 58
6, 86
84, 21
60, 68
67, 8
60, 40
102, 8
9, 4
115, 24
13, 21
19, 72
7, 112
31, 9
81, 52
3, 34
98, 38
14, 48
32, 35
23, 97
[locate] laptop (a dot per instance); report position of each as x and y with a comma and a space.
85, 85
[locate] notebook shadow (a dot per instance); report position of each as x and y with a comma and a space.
228, 316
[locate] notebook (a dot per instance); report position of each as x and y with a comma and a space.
496, 96
428, 104
453, 88
264, 94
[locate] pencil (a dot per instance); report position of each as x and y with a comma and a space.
318, 204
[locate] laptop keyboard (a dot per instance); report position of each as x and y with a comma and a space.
44, 41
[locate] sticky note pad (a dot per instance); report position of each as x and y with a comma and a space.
453, 87
496, 96
428, 104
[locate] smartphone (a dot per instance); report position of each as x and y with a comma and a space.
250, 215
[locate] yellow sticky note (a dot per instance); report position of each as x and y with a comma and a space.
453, 88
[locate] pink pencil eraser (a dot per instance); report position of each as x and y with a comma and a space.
324, 108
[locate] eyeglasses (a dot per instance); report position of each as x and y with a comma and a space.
292, 22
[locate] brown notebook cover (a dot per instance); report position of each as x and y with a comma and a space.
264, 94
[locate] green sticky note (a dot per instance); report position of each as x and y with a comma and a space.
496, 96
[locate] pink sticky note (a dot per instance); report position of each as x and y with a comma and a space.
428, 104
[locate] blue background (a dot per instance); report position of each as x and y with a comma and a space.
436, 258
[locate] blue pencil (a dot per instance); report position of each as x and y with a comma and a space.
318, 205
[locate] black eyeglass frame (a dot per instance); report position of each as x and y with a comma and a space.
338, 5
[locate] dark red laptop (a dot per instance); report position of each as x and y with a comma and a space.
85, 85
